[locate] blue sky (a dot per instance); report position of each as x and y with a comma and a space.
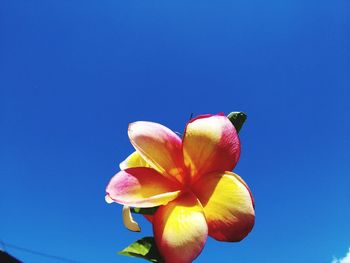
73, 74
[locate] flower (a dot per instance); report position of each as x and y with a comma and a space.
191, 180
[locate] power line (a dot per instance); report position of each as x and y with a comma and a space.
3, 245
7, 245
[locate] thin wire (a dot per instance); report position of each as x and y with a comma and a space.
3, 245
39, 253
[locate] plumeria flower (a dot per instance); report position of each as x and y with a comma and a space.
191, 180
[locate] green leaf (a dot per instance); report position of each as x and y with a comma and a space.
143, 248
144, 211
237, 119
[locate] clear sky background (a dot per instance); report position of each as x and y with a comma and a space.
73, 74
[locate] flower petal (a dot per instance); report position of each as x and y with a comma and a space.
133, 160
159, 146
129, 221
227, 204
108, 199
141, 187
210, 144
180, 229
